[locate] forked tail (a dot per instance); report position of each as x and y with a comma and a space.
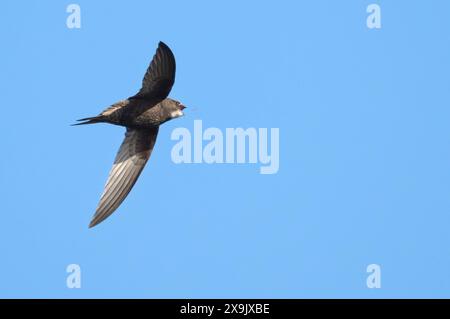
90, 120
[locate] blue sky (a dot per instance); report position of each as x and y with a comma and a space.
364, 150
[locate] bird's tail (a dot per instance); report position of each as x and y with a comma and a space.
90, 120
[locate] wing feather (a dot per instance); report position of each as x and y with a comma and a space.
160, 75
128, 165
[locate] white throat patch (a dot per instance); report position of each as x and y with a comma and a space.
176, 113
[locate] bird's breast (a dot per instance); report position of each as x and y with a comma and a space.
150, 118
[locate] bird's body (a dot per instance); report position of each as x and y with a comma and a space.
141, 114
136, 113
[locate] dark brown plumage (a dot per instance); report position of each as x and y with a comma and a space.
141, 114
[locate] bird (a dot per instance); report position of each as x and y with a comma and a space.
141, 115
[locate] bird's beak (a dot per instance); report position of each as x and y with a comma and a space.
182, 107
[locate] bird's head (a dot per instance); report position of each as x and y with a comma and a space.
172, 108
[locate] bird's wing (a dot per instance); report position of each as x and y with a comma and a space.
160, 75
130, 160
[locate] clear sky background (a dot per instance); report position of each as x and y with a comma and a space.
364, 150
